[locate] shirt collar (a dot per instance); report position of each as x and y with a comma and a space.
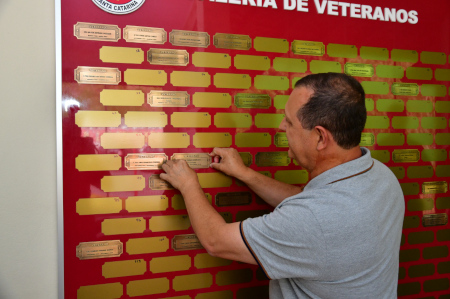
343, 171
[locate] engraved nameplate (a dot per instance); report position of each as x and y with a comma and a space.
168, 57
434, 187
233, 199
189, 38
281, 140
161, 98
99, 249
145, 161
148, 35
186, 242
406, 155
301, 47
405, 89
156, 183
252, 100
194, 160
232, 41
272, 159
98, 32
434, 219
97, 75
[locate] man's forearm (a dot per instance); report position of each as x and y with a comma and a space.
270, 190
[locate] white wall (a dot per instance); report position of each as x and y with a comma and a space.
28, 262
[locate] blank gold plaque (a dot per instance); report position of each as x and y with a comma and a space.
190, 120
150, 203
190, 79
118, 97
211, 100
235, 81
268, 120
169, 223
168, 140
98, 162
202, 140
147, 287
191, 282
253, 139
145, 77
216, 60
204, 260
267, 44
99, 205
217, 295
121, 226
124, 268
170, 264
101, 291
252, 62
121, 55
214, 180
232, 120
148, 119
122, 183
147, 245
108, 119
122, 140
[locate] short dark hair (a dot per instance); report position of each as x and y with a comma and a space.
337, 104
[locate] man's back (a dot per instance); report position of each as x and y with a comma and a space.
339, 238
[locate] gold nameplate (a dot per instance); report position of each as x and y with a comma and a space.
272, 159
145, 161
405, 89
156, 183
148, 35
97, 75
168, 57
186, 242
161, 98
252, 100
367, 139
189, 38
434, 187
406, 155
194, 160
99, 32
99, 249
247, 158
233, 199
232, 41
281, 140
359, 69
434, 219
301, 47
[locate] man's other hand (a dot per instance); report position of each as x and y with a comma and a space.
228, 161
179, 175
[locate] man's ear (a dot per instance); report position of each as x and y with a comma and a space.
324, 137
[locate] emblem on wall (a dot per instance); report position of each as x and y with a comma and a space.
119, 7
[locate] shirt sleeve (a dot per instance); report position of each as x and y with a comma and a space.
287, 243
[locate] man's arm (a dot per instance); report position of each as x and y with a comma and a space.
218, 237
272, 191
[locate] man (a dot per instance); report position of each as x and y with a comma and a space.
339, 237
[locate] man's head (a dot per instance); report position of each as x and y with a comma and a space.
337, 104
325, 115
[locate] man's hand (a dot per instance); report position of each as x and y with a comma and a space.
228, 161
179, 175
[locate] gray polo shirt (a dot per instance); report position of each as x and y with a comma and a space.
339, 238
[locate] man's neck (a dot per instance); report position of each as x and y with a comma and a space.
327, 161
